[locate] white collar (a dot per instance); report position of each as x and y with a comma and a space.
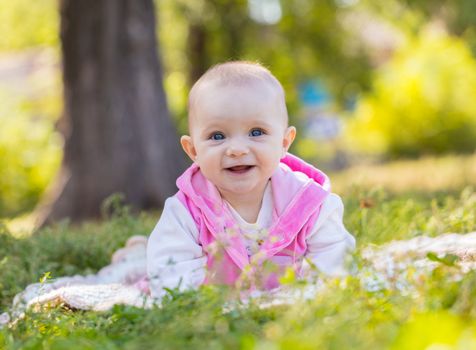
265, 215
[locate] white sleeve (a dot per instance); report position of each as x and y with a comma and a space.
329, 242
174, 257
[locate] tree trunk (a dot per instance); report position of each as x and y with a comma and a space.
196, 51
119, 136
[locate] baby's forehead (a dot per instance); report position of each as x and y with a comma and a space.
208, 88
240, 92
213, 100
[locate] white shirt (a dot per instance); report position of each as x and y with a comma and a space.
176, 259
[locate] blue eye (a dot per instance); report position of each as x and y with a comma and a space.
217, 136
256, 132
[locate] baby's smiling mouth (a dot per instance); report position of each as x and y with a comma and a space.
239, 169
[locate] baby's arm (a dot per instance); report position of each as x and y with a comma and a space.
174, 257
329, 242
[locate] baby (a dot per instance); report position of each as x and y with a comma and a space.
245, 203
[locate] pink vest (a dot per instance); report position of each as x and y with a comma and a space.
298, 190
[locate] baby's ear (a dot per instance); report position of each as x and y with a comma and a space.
288, 139
188, 147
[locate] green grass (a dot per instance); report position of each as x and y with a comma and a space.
346, 315
375, 216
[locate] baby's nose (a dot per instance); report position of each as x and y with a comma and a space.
236, 149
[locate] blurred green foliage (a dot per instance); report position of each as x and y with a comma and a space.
25, 23
458, 17
30, 150
422, 101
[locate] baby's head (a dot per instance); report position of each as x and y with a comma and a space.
238, 125
230, 79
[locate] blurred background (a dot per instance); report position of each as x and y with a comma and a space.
382, 93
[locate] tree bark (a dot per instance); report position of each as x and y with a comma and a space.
119, 136
196, 51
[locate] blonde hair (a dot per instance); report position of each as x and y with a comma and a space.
236, 73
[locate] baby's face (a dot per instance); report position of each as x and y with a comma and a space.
238, 136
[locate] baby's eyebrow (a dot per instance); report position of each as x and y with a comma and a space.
222, 125
213, 127
262, 124
205, 133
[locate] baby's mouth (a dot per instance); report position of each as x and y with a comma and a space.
240, 169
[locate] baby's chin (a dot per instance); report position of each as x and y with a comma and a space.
237, 189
